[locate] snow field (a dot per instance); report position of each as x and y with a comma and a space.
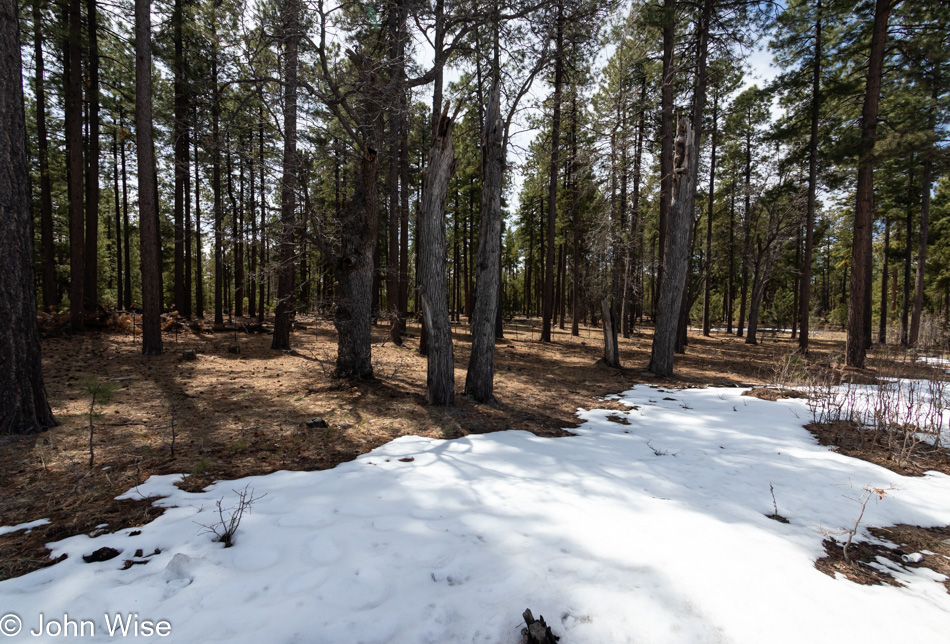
652, 531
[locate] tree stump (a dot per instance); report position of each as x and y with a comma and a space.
536, 632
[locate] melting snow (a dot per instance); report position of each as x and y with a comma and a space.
649, 532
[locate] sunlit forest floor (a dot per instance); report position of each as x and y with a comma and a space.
230, 414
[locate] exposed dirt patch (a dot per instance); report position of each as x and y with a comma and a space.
25, 551
857, 569
871, 445
932, 543
773, 393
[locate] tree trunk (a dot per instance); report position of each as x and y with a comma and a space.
666, 136
759, 282
216, 180
699, 108
73, 126
125, 221
611, 347
548, 304
149, 240
479, 382
392, 252
796, 288
25, 408
805, 296
635, 232
731, 286
189, 274
180, 146
882, 328
404, 219
675, 256
747, 229
357, 227
262, 277
288, 189
559, 253
576, 276
707, 286
120, 295
864, 211
91, 269
252, 249
397, 125
908, 235
925, 179
354, 272
440, 360
199, 274
50, 292
237, 226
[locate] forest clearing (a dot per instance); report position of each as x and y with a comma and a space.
475, 320
678, 511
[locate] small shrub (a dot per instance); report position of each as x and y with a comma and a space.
229, 519
98, 392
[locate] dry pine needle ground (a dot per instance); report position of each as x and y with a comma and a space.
237, 414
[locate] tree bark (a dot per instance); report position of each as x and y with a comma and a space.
73, 126
731, 283
397, 29
805, 296
199, 274
479, 382
747, 229
908, 235
118, 219
262, 278
611, 346
354, 271
925, 180
440, 359
666, 135
707, 286
189, 273
288, 189
125, 220
864, 211
760, 278
91, 269
252, 249
676, 254
404, 218
50, 292
699, 108
149, 240
237, 230
882, 328
548, 296
180, 146
216, 179
25, 408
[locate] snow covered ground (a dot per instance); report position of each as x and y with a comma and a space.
652, 531
939, 363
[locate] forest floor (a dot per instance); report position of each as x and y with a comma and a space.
669, 515
231, 415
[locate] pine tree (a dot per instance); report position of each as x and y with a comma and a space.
25, 408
